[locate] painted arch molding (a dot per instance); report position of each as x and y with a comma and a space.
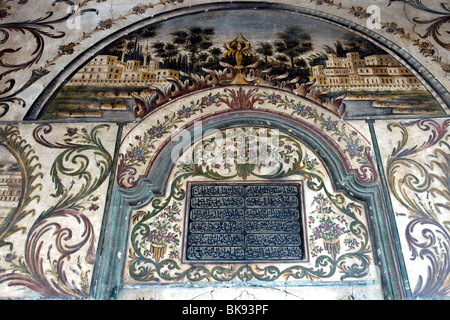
327, 147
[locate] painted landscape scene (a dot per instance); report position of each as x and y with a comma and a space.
139, 71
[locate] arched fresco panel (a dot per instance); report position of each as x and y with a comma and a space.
416, 167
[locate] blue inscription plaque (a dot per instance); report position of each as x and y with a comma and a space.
243, 222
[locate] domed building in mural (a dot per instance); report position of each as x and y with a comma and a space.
224, 150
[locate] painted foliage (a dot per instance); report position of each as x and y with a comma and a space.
423, 29
140, 147
417, 170
49, 240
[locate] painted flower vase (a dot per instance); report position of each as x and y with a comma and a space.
332, 246
158, 251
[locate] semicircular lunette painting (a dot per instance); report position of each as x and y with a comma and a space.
143, 70
10, 183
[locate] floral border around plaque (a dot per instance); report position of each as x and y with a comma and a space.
350, 259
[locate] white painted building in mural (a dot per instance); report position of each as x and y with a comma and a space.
375, 72
107, 70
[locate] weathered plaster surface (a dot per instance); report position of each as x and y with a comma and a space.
81, 174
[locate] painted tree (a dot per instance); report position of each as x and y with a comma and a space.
292, 42
194, 41
317, 58
265, 49
210, 59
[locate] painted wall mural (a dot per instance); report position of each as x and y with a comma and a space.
48, 242
139, 148
417, 174
352, 202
